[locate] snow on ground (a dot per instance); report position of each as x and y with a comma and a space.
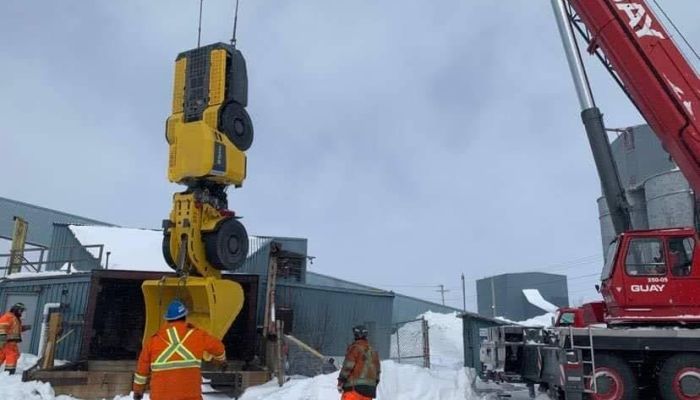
398, 382
445, 341
535, 298
12, 387
447, 380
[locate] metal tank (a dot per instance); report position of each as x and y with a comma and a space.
669, 200
638, 214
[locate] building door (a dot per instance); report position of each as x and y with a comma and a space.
28, 318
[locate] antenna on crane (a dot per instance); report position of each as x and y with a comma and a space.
235, 24
199, 27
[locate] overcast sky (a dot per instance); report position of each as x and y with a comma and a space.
409, 141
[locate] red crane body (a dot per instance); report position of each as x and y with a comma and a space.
651, 276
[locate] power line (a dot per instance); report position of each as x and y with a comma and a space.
690, 46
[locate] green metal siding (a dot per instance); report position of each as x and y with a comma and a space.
324, 316
70, 290
471, 325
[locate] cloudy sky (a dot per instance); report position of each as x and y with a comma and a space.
409, 141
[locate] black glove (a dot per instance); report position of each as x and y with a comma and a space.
138, 396
223, 365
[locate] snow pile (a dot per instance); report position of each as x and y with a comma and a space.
535, 298
398, 382
446, 340
12, 387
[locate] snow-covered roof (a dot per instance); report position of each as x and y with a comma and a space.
134, 249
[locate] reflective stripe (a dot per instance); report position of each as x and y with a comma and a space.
176, 365
176, 346
140, 379
221, 357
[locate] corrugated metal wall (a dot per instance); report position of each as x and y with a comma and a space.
510, 300
324, 316
40, 220
66, 247
472, 324
71, 290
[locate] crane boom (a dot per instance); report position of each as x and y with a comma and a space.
655, 74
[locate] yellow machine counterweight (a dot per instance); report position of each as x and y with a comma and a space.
208, 132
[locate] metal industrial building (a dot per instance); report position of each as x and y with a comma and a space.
321, 309
502, 295
656, 189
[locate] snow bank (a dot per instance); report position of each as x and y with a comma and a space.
18, 275
535, 298
446, 340
398, 382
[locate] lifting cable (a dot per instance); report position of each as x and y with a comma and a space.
676, 29
235, 23
199, 27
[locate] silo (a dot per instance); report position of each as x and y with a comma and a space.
669, 200
638, 214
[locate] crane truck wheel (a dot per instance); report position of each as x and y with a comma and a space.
679, 378
166, 252
227, 245
614, 379
235, 122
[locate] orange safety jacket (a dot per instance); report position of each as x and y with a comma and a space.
172, 358
10, 328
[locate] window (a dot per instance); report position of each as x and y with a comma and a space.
680, 255
567, 319
645, 257
609, 260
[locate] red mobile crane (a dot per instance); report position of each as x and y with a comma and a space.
649, 343
649, 276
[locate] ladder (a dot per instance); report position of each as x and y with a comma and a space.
587, 359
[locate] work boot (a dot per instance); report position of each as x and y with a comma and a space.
10, 371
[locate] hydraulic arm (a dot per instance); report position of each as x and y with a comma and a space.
208, 132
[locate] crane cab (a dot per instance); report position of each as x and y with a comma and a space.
652, 277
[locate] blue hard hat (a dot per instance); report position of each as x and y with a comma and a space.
176, 310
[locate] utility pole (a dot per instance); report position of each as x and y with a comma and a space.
442, 292
464, 295
493, 299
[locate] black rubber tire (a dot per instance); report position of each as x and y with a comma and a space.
608, 363
667, 381
166, 252
227, 246
236, 124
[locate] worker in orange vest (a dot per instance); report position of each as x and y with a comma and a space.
172, 358
11, 329
359, 377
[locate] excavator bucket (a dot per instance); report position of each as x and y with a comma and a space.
213, 303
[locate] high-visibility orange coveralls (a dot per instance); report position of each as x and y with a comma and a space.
172, 358
10, 335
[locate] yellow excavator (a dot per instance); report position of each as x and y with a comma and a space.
208, 133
